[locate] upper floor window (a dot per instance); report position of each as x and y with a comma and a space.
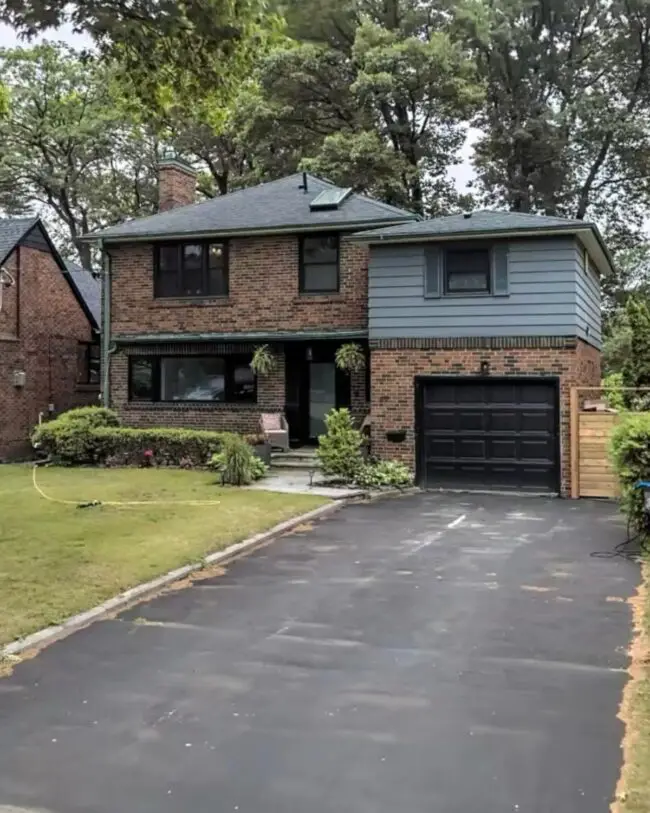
467, 271
226, 379
319, 264
191, 269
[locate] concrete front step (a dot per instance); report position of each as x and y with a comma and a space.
295, 454
305, 463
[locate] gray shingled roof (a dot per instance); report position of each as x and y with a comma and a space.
477, 223
12, 231
88, 288
274, 206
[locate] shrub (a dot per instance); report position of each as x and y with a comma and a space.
613, 393
257, 467
339, 451
385, 473
69, 437
630, 453
236, 462
170, 447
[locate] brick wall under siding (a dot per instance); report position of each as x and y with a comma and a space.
188, 415
264, 292
41, 325
395, 363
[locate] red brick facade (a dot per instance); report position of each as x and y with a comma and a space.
395, 363
264, 293
41, 326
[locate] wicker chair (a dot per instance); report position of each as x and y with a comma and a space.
275, 429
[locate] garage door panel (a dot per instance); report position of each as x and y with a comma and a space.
489, 434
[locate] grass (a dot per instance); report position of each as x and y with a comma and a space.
633, 792
56, 560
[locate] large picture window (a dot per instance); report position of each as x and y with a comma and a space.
207, 379
191, 269
319, 264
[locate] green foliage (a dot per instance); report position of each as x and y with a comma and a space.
236, 462
91, 435
636, 367
339, 451
69, 437
385, 473
70, 145
613, 394
630, 453
263, 361
256, 467
616, 341
169, 50
350, 358
564, 124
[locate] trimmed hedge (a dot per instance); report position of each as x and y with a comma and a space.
630, 454
125, 446
92, 435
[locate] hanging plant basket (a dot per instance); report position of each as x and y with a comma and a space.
350, 358
263, 361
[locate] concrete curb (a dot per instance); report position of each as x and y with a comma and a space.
48, 635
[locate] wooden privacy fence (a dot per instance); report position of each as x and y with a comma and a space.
592, 474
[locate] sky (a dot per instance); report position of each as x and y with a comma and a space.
461, 174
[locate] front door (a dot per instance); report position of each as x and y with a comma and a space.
322, 395
314, 386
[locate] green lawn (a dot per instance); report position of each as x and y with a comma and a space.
56, 560
634, 787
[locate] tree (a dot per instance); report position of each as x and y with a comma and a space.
170, 48
69, 147
378, 97
636, 367
565, 124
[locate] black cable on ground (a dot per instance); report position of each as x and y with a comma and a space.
623, 549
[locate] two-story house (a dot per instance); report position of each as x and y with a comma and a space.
479, 325
49, 333
193, 290
476, 325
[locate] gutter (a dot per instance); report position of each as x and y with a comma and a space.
105, 340
213, 233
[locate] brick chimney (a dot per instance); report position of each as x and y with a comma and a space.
176, 183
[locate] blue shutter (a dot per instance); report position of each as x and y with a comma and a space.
500, 270
432, 271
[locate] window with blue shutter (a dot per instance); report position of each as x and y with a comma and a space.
432, 272
500, 269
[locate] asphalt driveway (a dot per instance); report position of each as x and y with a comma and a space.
428, 654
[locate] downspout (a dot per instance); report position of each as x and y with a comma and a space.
107, 348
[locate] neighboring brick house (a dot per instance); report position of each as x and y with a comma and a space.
479, 326
195, 288
49, 333
476, 326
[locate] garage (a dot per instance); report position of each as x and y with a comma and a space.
488, 433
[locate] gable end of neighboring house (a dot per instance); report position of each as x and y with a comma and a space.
49, 334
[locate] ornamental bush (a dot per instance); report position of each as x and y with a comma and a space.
339, 451
630, 454
384, 474
68, 438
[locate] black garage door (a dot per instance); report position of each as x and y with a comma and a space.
488, 433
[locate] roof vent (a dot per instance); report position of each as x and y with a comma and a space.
330, 199
467, 215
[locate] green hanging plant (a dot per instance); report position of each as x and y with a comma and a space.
350, 358
263, 361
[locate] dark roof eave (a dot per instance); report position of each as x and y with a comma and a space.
284, 336
289, 229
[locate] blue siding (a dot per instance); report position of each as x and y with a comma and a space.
548, 295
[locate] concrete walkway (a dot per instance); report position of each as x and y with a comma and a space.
425, 654
299, 482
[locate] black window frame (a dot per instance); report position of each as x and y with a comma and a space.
179, 246
487, 291
85, 357
231, 362
317, 236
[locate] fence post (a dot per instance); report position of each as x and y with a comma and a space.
574, 445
